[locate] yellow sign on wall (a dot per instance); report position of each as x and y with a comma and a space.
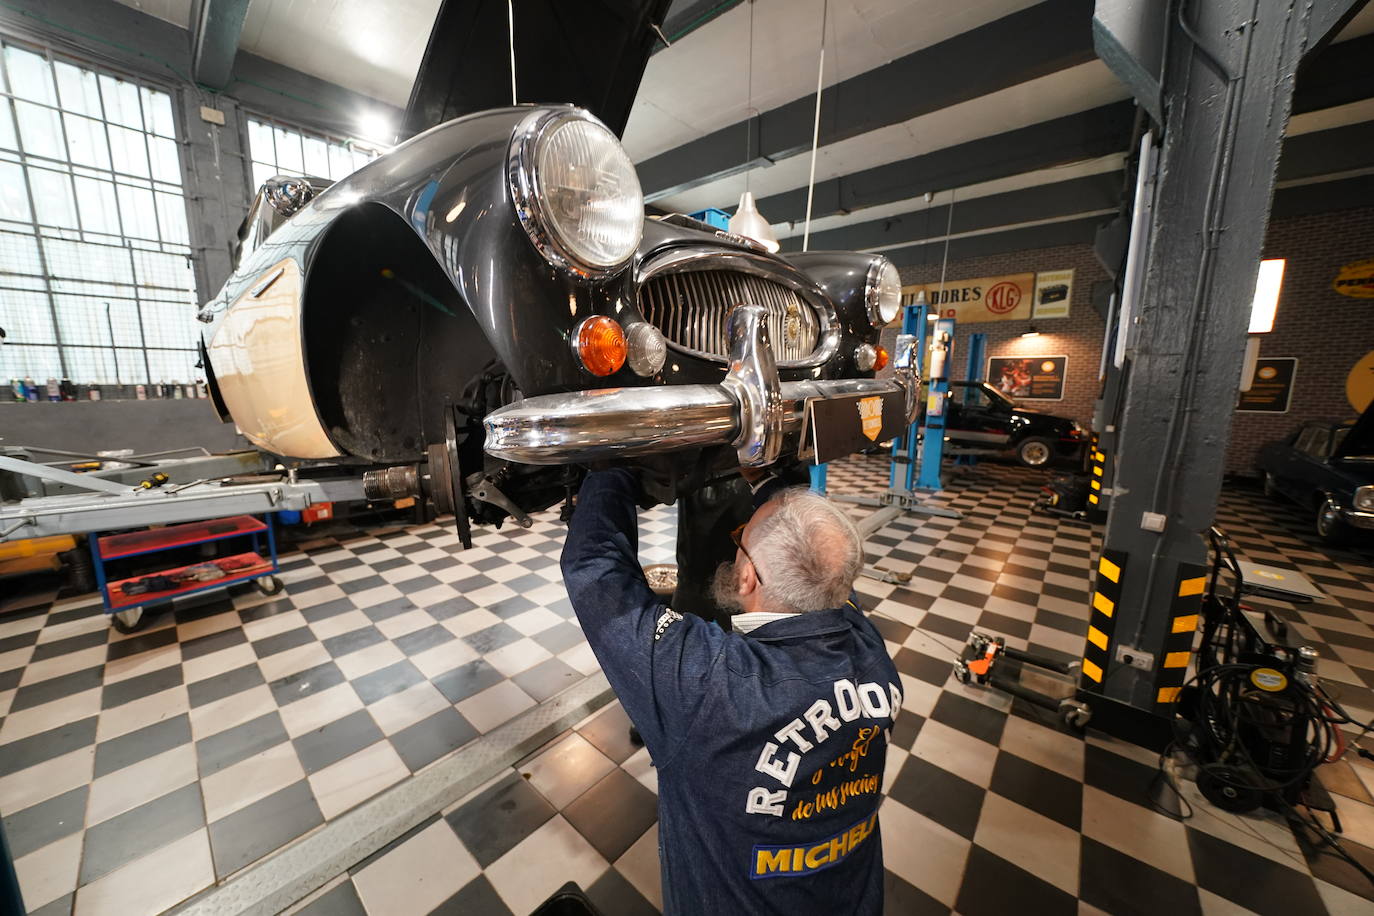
1359, 384
1005, 298
1356, 280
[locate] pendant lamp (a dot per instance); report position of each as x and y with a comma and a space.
749, 222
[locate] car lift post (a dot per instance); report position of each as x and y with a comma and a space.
1221, 101
933, 445
977, 360
900, 497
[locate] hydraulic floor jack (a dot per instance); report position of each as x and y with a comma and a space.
982, 664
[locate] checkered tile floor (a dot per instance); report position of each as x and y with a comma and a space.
990, 805
138, 770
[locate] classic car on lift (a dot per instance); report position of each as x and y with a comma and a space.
485, 307
1328, 469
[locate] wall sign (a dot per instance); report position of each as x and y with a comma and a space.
1272, 389
1356, 280
983, 299
1359, 384
1034, 378
1053, 293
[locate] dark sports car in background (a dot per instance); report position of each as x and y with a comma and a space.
978, 416
1328, 469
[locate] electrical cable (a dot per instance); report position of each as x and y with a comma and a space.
815, 130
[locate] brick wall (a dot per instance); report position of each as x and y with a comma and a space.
1326, 331
1078, 336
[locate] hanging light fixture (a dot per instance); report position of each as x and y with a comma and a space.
748, 221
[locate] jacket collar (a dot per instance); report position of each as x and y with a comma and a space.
811, 623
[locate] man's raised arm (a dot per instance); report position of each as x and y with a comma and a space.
656, 660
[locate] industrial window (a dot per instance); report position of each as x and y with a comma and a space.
95, 272
278, 150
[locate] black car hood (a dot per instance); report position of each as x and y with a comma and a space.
591, 53
1360, 440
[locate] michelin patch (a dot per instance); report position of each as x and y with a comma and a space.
806, 858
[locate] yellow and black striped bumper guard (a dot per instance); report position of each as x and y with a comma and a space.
1110, 571
1178, 642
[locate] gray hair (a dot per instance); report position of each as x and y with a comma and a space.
809, 551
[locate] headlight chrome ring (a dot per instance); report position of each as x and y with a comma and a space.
883, 293
555, 214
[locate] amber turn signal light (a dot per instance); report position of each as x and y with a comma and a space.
601, 345
881, 360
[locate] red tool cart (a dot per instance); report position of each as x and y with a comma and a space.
125, 599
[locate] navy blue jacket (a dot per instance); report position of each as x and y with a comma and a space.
769, 746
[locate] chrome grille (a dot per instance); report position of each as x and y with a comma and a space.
690, 309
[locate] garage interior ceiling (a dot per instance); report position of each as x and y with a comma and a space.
998, 101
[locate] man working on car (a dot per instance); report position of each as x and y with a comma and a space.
769, 741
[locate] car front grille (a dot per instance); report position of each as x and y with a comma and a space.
690, 309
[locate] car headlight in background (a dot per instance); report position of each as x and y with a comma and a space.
576, 191
883, 293
1364, 499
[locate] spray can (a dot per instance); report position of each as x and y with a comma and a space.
54, 393
30, 389
68, 390
94, 393
177, 393
141, 392
17, 390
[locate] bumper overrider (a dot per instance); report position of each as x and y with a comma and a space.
750, 410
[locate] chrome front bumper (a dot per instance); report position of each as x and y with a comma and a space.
1358, 518
750, 410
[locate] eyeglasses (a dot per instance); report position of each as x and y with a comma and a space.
738, 537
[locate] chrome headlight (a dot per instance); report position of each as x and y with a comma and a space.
883, 293
576, 191
1364, 498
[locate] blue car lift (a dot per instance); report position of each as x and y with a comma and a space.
901, 495
977, 360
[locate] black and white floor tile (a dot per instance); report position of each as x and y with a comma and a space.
236, 726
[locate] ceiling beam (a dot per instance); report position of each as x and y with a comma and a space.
1024, 238
1336, 75
1024, 205
1034, 42
1072, 138
215, 31
1334, 151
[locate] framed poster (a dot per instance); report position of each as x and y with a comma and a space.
1053, 293
1033, 378
1272, 389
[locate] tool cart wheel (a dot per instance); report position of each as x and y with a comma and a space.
1075, 715
268, 585
129, 620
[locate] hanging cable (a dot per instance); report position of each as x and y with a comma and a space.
510, 18
815, 130
949, 227
750, 111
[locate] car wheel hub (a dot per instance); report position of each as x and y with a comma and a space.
1035, 453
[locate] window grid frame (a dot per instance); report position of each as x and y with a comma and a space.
274, 123
70, 170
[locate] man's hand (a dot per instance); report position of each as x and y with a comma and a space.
754, 475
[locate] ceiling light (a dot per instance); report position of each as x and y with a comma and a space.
376, 127
1030, 332
749, 222
1266, 304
